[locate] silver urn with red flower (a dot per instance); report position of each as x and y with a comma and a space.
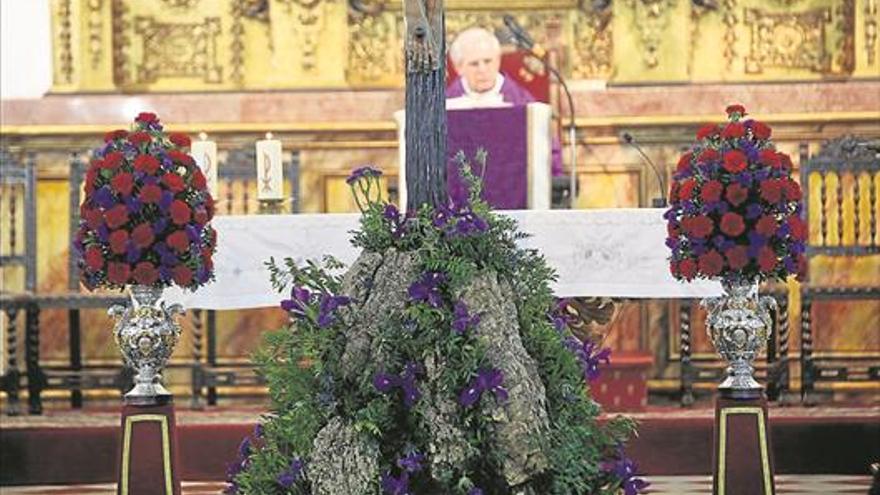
735, 216
146, 334
145, 225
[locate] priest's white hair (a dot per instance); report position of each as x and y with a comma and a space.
471, 37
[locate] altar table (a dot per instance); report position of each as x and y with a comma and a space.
610, 252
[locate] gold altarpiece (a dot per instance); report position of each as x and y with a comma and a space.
669, 65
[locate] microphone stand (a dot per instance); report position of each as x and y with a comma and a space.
656, 202
572, 134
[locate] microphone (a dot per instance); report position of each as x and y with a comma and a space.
656, 202
521, 37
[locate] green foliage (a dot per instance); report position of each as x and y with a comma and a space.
301, 362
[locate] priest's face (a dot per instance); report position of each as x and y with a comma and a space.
479, 66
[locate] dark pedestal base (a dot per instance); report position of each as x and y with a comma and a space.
743, 460
148, 455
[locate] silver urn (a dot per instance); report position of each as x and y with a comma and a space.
146, 334
739, 324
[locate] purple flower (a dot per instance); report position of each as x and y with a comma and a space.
588, 357
160, 225
103, 197
462, 321
487, 380
625, 471
132, 253
133, 205
475, 491
291, 474
411, 463
753, 211
396, 486
427, 289
385, 383
411, 393
166, 200
300, 297
329, 304
164, 273
103, 233
361, 173
398, 225
244, 448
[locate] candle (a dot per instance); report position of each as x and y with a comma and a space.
205, 154
269, 170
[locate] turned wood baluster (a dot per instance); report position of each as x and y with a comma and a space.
12, 375
687, 383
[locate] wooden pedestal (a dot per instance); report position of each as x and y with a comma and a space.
148, 454
743, 460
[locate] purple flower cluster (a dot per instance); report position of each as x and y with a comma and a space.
462, 321
242, 462
364, 172
292, 474
396, 221
561, 317
458, 219
386, 383
302, 299
625, 471
587, 354
487, 380
428, 289
399, 485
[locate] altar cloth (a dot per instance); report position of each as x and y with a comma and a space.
608, 252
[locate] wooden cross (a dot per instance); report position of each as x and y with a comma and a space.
425, 57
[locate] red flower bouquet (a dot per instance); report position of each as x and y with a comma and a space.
735, 210
146, 213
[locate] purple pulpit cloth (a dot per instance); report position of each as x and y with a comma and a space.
503, 133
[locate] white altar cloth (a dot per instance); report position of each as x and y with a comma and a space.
613, 252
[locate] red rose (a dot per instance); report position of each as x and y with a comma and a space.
198, 180
673, 192
791, 189
736, 194
182, 275
708, 155
700, 226
732, 224
711, 191
116, 216
114, 135
711, 263
785, 161
113, 160
209, 207
145, 273
735, 161
737, 257
207, 262
736, 108
200, 216
766, 226
173, 182
769, 157
118, 241
94, 258
139, 138
733, 130
672, 230
688, 268
798, 228
760, 130
147, 164
179, 139
178, 241
180, 212
181, 157
766, 259
707, 130
771, 190
684, 162
91, 176
146, 117
122, 183
686, 190
151, 193
93, 217
142, 235
117, 273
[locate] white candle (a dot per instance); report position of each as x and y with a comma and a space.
205, 154
269, 170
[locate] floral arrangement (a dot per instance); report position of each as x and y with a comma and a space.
389, 400
735, 210
146, 214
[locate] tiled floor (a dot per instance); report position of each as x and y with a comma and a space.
660, 485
